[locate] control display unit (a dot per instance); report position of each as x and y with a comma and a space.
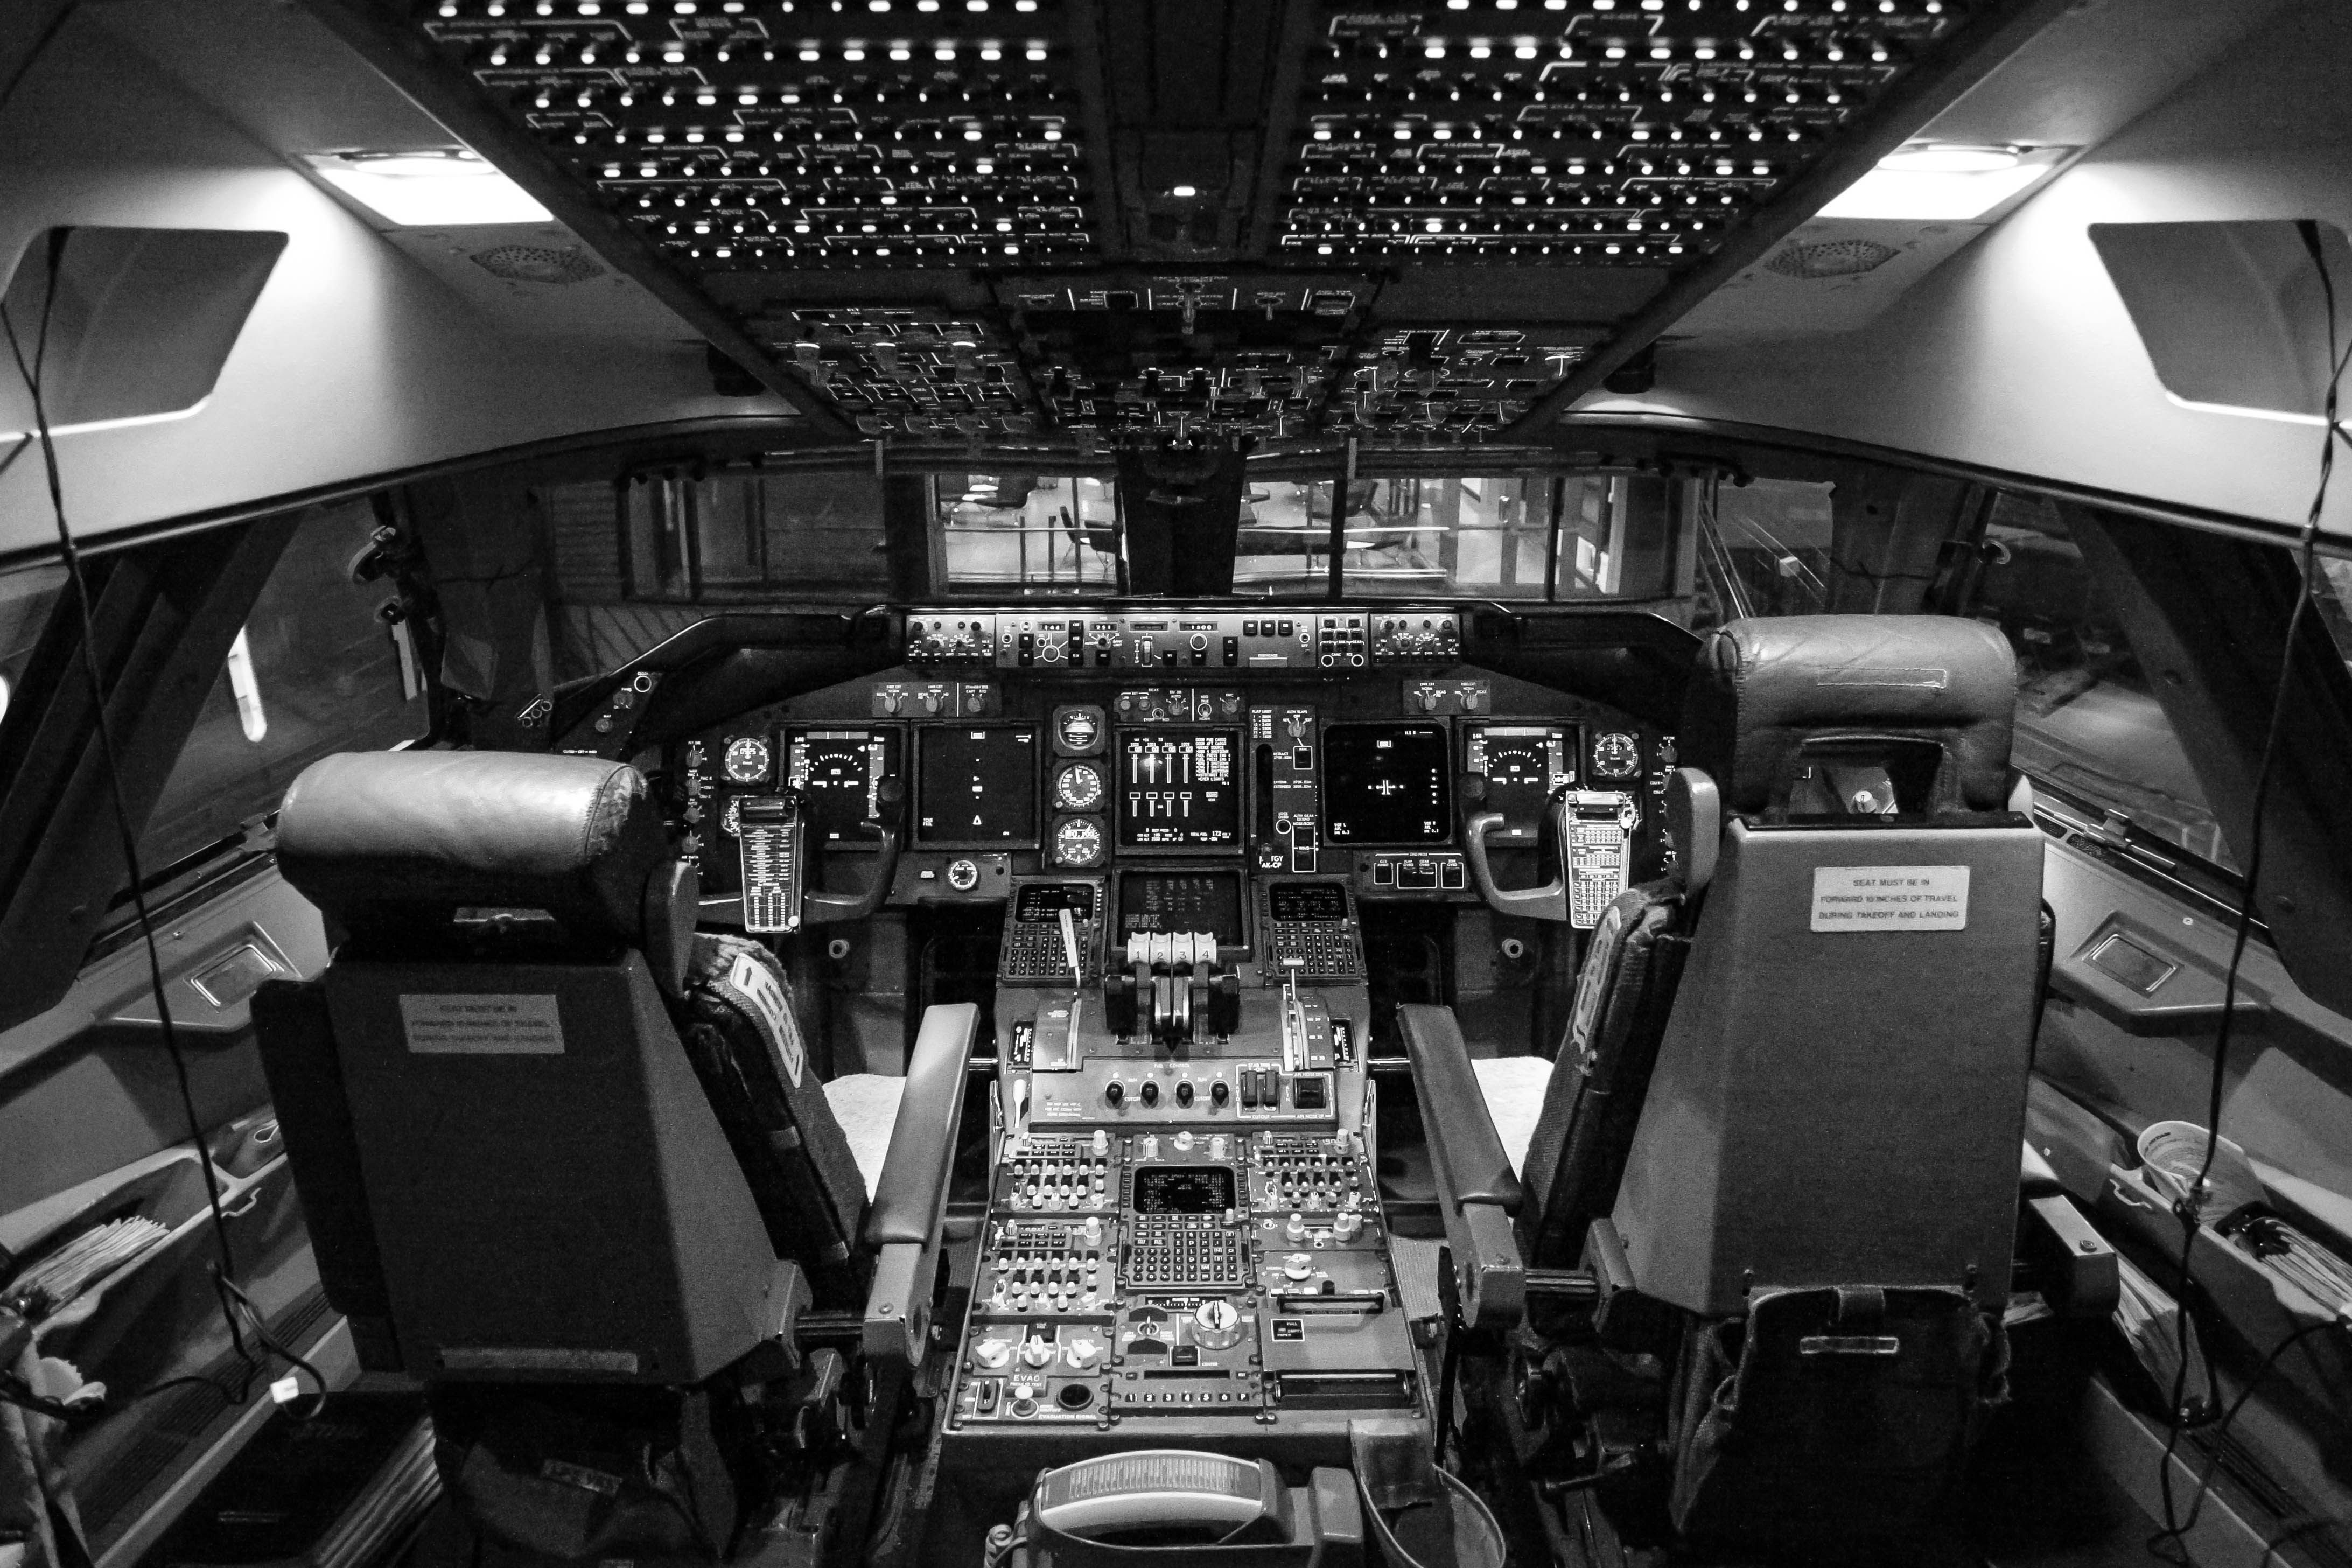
1308, 902
978, 785
1179, 788
1158, 903
1386, 783
1184, 1189
839, 774
1045, 901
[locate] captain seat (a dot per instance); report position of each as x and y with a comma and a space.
547, 1135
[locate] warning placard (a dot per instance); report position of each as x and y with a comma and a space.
1890, 898
486, 1024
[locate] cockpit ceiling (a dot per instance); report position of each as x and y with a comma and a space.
1081, 223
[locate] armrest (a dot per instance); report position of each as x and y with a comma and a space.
1476, 1193
902, 1225
1462, 1145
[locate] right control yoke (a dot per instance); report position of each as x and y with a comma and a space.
1595, 831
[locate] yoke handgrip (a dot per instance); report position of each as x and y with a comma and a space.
1548, 903
829, 909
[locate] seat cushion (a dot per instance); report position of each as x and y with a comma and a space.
1514, 1088
866, 1106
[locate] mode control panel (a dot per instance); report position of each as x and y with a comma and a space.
1206, 638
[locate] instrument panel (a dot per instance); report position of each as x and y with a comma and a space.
1011, 743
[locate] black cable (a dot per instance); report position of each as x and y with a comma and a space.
2165, 1542
224, 1271
40, 47
2189, 1206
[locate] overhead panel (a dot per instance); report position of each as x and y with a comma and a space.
1089, 223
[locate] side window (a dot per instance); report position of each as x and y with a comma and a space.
2087, 721
1767, 551
313, 671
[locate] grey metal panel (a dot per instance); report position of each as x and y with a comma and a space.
1839, 1106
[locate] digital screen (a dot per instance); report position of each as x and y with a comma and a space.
839, 774
1523, 763
1046, 900
1179, 788
1184, 1189
978, 785
1168, 904
1308, 902
1386, 783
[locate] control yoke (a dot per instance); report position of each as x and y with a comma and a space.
1173, 989
827, 909
1594, 830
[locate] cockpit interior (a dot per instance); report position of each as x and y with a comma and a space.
1101, 783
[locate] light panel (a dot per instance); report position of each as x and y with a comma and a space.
1943, 183
434, 189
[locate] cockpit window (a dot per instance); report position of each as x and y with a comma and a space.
734, 536
25, 598
1768, 548
1035, 533
313, 671
1491, 536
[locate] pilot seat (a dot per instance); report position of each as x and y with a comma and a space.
1747, 1261
568, 1163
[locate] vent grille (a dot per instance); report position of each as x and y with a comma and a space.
1833, 258
537, 264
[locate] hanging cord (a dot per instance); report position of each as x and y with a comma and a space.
223, 1270
2168, 1542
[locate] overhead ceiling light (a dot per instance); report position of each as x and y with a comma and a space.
1183, 190
1931, 182
441, 187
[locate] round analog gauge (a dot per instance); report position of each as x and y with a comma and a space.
1078, 787
1080, 727
747, 760
1079, 842
1615, 755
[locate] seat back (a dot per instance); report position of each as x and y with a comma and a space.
1839, 1094
527, 1154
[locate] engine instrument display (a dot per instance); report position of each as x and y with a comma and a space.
839, 774
978, 785
1180, 789
1386, 783
1184, 1189
1166, 903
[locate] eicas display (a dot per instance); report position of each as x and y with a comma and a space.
1169, 903
1179, 788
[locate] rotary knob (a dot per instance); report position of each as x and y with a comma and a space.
991, 1354
1216, 1325
892, 702
1346, 1226
1083, 1352
1296, 1229
1297, 1266
1036, 1352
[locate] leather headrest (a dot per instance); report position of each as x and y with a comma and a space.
1766, 690
372, 837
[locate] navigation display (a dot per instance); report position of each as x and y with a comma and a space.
839, 774
1386, 783
1166, 903
1184, 1189
978, 785
1180, 789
